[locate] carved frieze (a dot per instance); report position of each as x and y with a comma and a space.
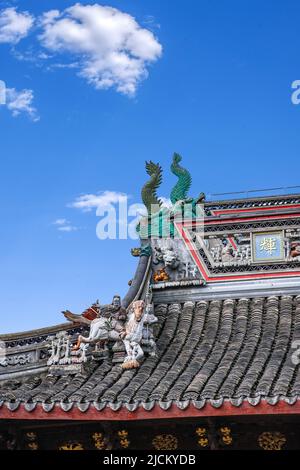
172, 262
238, 249
256, 253
20, 359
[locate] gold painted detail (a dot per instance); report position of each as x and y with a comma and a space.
268, 244
71, 446
99, 441
33, 446
136, 252
202, 437
31, 439
226, 435
271, 441
165, 442
160, 275
123, 436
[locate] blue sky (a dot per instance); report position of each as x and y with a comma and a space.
218, 91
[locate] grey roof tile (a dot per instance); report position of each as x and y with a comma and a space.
209, 351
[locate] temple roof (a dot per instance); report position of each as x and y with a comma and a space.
228, 333
209, 352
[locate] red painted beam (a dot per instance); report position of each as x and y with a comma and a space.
194, 253
227, 409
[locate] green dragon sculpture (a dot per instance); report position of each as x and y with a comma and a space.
180, 190
149, 195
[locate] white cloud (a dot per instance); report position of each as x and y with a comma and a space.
13, 25
21, 102
113, 49
87, 202
67, 228
60, 222
63, 225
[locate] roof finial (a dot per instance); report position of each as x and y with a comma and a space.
149, 195
180, 190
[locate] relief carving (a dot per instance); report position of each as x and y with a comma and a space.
172, 262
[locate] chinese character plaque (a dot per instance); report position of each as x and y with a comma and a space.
267, 246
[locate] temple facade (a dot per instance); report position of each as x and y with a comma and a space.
203, 352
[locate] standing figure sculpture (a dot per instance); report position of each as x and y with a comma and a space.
137, 329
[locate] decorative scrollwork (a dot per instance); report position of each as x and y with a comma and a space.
38, 339
165, 442
226, 436
271, 441
71, 446
31, 439
99, 441
123, 436
287, 266
202, 437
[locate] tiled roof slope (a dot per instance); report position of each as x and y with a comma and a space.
207, 351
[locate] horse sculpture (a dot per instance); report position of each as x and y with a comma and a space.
109, 324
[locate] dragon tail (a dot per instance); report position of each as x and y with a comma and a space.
149, 190
180, 190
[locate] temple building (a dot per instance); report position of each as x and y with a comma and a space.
203, 351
